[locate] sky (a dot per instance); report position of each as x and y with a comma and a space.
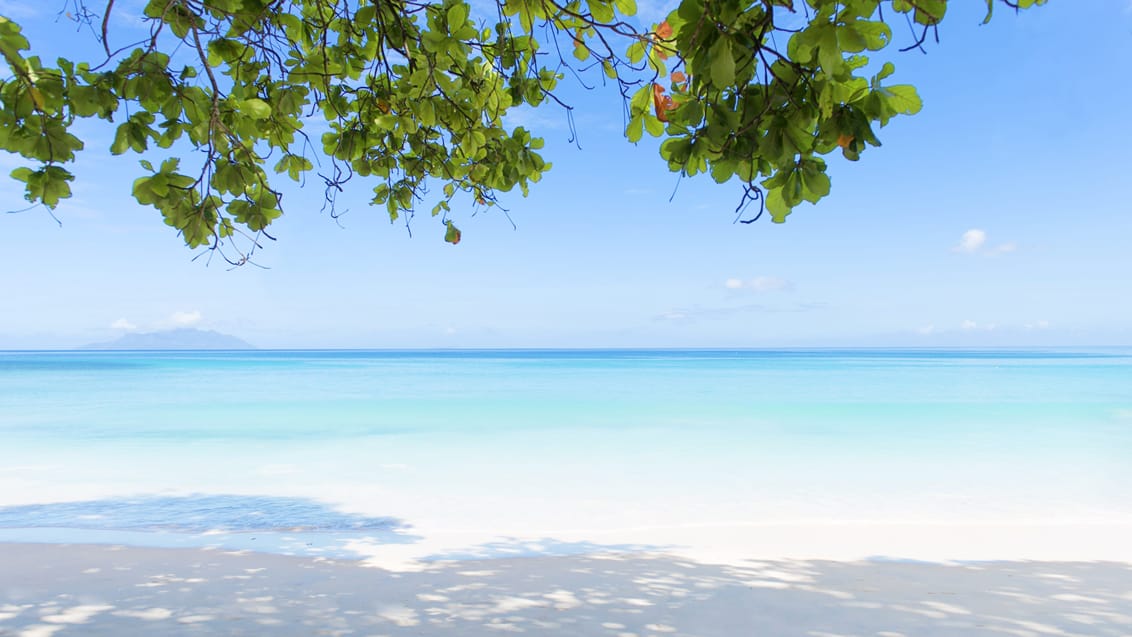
998, 216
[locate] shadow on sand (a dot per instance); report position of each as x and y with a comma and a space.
98, 590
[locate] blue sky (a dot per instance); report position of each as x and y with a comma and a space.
998, 216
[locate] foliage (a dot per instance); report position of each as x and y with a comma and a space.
413, 93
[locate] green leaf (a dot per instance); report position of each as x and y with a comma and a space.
903, 99
875, 35
818, 186
885, 71
815, 181
722, 64
451, 233
776, 205
829, 52
580, 51
121, 141
636, 128
636, 52
457, 15
255, 108
602, 10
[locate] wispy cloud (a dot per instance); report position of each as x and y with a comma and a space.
972, 326
185, 319
759, 284
699, 312
536, 120
123, 324
974, 241
1002, 248
180, 318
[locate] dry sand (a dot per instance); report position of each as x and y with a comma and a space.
102, 590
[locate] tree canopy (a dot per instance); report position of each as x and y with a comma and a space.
410, 97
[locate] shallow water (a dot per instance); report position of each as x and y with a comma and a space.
210, 445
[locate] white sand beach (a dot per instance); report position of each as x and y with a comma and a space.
103, 590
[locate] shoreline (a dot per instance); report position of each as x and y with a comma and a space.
48, 589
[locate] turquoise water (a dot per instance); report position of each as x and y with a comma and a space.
295, 440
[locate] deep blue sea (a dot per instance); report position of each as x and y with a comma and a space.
179, 447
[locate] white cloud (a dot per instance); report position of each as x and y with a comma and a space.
1037, 325
759, 284
123, 324
970, 326
1003, 249
926, 330
769, 283
972, 241
537, 120
185, 319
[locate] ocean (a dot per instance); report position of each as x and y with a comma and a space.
456, 454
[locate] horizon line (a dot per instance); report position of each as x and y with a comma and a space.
719, 348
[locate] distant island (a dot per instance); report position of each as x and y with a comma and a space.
182, 338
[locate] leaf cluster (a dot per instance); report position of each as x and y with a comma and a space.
220, 99
753, 99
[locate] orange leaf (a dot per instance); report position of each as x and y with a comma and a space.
678, 77
664, 30
661, 103
844, 140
